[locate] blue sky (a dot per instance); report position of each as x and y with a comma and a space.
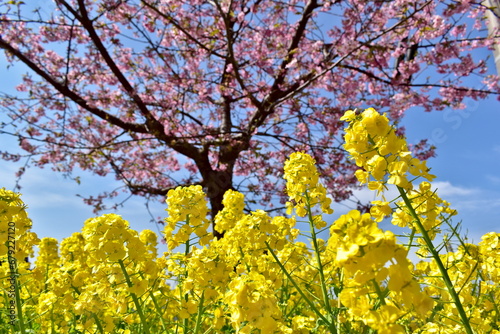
467, 165
467, 168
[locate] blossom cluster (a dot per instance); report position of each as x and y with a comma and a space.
268, 274
280, 72
383, 156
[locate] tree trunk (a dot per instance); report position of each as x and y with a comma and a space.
216, 184
493, 15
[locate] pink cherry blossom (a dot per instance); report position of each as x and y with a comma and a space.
166, 93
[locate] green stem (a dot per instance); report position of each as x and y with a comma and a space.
290, 278
186, 252
437, 258
14, 274
324, 290
186, 321
200, 313
410, 239
379, 292
155, 303
186, 296
134, 297
98, 323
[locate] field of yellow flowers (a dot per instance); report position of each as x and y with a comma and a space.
259, 278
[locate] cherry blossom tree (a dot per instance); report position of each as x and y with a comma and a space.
163, 93
493, 23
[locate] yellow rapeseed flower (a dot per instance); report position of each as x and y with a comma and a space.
383, 156
188, 210
303, 186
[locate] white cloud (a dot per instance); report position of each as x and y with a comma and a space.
477, 208
57, 211
482, 203
445, 188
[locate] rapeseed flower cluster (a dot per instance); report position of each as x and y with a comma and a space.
234, 204
383, 156
432, 211
471, 273
15, 228
187, 209
303, 186
379, 288
266, 275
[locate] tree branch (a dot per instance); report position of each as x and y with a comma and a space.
151, 122
184, 31
155, 127
267, 106
64, 90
